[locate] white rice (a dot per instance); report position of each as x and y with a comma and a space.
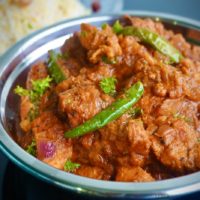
16, 22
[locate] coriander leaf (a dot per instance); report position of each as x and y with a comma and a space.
21, 91
34, 97
117, 27
135, 112
106, 60
108, 85
71, 166
31, 149
39, 86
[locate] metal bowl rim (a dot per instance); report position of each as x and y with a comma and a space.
170, 187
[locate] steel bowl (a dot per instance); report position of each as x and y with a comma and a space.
14, 65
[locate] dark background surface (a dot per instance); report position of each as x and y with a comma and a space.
15, 184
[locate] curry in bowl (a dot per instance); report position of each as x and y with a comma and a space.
120, 103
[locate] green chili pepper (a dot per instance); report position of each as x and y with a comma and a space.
55, 69
152, 39
112, 112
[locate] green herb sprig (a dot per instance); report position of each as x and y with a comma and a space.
108, 85
38, 88
71, 166
31, 149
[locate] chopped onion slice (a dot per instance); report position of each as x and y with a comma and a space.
46, 149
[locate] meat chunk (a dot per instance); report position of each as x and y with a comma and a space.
91, 172
123, 142
196, 53
197, 155
133, 51
139, 142
73, 48
115, 138
128, 142
192, 79
74, 54
175, 141
82, 102
87, 76
149, 104
192, 90
99, 43
134, 174
52, 147
176, 146
38, 71
187, 49
81, 98
179, 108
25, 107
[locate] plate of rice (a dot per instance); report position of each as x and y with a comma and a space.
19, 18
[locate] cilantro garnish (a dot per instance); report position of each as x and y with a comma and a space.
31, 149
38, 88
71, 166
108, 85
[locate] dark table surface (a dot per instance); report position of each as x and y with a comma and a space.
12, 178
